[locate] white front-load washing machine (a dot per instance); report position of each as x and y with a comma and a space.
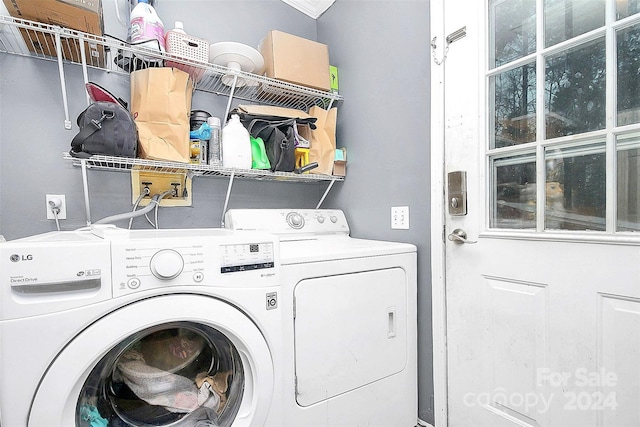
350, 320
140, 328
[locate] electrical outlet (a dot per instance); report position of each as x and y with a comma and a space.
158, 183
400, 217
56, 200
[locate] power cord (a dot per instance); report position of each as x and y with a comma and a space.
157, 202
55, 210
145, 192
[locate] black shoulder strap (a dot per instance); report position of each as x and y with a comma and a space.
78, 141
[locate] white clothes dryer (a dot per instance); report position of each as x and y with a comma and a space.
350, 320
146, 328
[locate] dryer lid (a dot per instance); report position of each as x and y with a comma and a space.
326, 248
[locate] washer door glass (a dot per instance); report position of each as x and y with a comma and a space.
174, 374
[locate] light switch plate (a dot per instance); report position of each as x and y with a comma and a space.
400, 217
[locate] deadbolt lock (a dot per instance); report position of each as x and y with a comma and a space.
457, 188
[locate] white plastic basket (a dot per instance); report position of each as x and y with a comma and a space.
188, 47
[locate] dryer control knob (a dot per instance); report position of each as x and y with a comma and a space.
295, 220
166, 264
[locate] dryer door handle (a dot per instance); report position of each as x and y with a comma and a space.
391, 322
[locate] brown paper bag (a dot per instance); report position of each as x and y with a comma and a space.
161, 104
323, 140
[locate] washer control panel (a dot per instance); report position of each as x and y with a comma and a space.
288, 221
246, 257
238, 261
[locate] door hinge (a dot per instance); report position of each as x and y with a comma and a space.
444, 234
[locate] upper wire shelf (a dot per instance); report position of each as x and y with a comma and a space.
34, 39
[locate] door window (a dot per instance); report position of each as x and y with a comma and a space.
178, 374
564, 110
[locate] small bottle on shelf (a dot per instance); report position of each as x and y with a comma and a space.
214, 142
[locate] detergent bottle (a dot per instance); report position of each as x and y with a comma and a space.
236, 145
146, 28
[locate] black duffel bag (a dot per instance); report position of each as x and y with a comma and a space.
279, 136
106, 128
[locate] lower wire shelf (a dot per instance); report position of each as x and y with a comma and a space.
127, 164
160, 166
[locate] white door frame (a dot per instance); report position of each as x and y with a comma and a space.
438, 295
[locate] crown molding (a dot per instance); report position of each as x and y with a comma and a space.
312, 8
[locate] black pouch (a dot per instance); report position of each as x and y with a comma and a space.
279, 136
106, 128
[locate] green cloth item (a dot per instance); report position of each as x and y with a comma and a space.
91, 417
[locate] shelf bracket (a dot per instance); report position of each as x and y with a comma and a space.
85, 186
63, 85
233, 89
226, 199
83, 59
333, 181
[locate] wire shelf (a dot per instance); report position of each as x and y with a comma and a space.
34, 39
126, 163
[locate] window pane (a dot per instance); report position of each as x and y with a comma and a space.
628, 83
565, 19
514, 204
575, 191
513, 26
628, 183
515, 106
626, 8
575, 90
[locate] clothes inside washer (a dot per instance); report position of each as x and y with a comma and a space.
159, 387
179, 375
90, 417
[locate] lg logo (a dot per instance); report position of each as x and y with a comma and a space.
16, 258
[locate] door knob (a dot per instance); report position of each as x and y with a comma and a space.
459, 236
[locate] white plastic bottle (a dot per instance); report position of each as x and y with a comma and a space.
214, 142
236, 145
146, 28
178, 27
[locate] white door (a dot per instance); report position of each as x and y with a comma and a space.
539, 103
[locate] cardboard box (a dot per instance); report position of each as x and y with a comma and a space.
296, 60
340, 163
333, 72
45, 44
81, 15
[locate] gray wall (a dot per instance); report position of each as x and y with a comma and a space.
382, 51
33, 137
